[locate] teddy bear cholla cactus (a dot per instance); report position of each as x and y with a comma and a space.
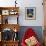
32, 41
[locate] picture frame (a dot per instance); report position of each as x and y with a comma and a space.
13, 12
5, 12
30, 13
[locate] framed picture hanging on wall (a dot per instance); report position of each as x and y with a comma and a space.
30, 13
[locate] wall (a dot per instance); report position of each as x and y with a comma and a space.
27, 3
39, 13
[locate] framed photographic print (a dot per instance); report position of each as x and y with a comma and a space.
5, 12
11, 12
30, 13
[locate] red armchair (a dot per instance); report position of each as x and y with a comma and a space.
28, 37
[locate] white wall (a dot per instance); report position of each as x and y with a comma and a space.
27, 3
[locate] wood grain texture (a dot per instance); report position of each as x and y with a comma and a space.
44, 12
9, 43
11, 26
45, 22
